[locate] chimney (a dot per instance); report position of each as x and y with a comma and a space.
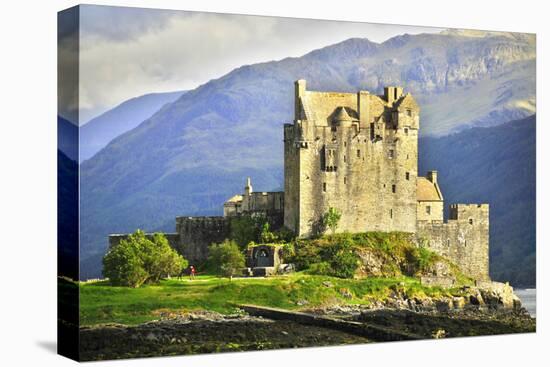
248, 187
299, 92
363, 108
432, 176
392, 94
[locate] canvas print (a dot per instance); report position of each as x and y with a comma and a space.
236, 183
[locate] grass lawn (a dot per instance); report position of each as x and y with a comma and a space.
102, 303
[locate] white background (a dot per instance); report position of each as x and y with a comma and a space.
28, 182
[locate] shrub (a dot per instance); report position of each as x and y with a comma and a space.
332, 255
225, 259
331, 219
137, 260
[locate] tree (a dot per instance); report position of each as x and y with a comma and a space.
267, 236
246, 229
138, 259
331, 219
225, 258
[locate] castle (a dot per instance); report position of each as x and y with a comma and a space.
358, 153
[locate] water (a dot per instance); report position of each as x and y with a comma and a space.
528, 299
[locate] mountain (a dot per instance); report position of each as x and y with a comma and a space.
495, 165
194, 153
67, 138
99, 131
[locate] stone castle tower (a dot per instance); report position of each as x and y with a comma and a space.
356, 152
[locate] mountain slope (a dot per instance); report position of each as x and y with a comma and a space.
99, 131
195, 152
494, 165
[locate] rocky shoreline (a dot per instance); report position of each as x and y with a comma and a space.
476, 311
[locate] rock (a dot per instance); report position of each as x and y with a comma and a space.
444, 305
458, 303
151, 337
438, 334
302, 302
328, 284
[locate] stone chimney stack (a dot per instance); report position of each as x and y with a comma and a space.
299, 92
392, 94
432, 176
248, 187
363, 109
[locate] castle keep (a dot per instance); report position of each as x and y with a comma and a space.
358, 153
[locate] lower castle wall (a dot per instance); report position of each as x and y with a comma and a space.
197, 233
464, 239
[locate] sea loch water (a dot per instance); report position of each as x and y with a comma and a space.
528, 299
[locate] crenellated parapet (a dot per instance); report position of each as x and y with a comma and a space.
463, 238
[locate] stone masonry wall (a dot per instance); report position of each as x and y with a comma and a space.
366, 166
463, 239
197, 233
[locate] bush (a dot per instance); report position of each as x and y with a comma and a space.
331, 219
225, 259
137, 260
332, 255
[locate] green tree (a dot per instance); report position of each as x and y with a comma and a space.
139, 259
225, 258
331, 219
267, 236
246, 229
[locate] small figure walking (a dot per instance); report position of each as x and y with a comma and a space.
191, 272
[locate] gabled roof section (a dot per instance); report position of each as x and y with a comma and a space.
426, 190
406, 101
234, 199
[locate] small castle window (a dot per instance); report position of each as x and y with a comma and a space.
393, 188
448, 242
391, 213
345, 181
324, 187
407, 175
391, 154
471, 221
409, 113
406, 131
344, 159
345, 143
428, 210
358, 153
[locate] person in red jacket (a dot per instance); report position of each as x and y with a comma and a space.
191, 272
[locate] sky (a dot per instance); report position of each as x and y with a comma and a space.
128, 52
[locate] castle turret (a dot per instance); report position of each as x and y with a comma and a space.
248, 187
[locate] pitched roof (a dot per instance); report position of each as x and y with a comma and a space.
427, 190
235, 199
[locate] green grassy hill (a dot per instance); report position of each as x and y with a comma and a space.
101, 303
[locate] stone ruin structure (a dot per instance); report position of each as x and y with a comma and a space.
358, 153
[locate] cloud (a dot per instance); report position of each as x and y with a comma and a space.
126, 52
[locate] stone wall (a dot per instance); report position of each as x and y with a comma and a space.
197, 233
463, 239
355, 152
